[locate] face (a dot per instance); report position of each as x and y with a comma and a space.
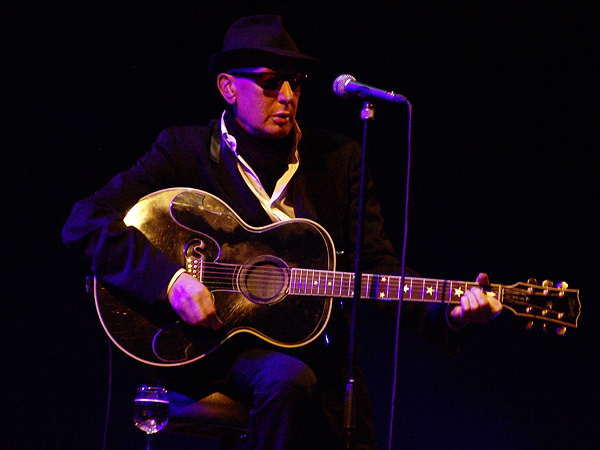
262, 112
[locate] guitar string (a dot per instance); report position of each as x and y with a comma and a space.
274, 273
222, 275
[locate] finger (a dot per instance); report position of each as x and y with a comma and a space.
495, 305
465, 306
477, 305
216, 322
483, 306
457, 313
483, 279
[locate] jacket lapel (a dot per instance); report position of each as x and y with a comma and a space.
235, 192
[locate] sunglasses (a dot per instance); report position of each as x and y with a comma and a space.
273, 80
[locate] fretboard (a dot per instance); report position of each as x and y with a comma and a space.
325, 283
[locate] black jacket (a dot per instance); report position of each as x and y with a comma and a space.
325, 189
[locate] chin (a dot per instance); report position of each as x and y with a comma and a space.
277, 133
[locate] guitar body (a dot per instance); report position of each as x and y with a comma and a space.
232, 259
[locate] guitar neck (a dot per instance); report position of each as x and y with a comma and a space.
381, 287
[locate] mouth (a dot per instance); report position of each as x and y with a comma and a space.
282, 117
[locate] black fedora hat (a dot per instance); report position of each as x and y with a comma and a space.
255, 41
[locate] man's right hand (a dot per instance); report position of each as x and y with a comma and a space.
193, 302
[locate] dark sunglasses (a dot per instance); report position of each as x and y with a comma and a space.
273, 80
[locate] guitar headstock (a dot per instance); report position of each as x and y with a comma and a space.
553, 305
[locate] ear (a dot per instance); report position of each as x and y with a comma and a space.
226, 87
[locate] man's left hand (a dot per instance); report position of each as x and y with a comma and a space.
476, 306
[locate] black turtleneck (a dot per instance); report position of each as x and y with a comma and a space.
267, 157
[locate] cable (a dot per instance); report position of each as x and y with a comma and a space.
402, 277
110, 372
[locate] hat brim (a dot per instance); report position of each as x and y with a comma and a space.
249, 57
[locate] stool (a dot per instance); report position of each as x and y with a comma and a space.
216, 416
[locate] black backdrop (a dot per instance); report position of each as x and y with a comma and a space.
504, 174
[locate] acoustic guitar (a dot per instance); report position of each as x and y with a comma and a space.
275, 282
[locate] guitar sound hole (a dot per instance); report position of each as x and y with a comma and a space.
264, 280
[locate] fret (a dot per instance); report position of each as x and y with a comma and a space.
331, 284
340, 285
424, 292
415, 292
300, 281
320, 284
430, 290
350, 290
394, 288
293, 281
387, 289
406, 289
458, 288
377, 286
441, 291
336, 284
399, 288
307, 283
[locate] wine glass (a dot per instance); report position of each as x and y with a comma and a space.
151, 410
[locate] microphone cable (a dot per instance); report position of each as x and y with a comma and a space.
402, 278
109, 393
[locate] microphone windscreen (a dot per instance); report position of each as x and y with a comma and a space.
339, 85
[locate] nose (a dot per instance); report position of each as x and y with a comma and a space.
286, 94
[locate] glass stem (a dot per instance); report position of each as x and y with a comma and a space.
148, 441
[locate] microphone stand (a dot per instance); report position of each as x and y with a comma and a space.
367, 114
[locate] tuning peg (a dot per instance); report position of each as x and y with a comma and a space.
563, 286
547, 284
534, 282
561, 330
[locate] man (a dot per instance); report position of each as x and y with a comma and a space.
258, 161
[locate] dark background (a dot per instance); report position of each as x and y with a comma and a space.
504, 180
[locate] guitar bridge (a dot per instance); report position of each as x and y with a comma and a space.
194, 258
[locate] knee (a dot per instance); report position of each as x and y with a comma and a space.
300, 381
290, 381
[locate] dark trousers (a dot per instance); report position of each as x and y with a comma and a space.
294, 406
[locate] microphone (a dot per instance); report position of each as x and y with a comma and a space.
346, 86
